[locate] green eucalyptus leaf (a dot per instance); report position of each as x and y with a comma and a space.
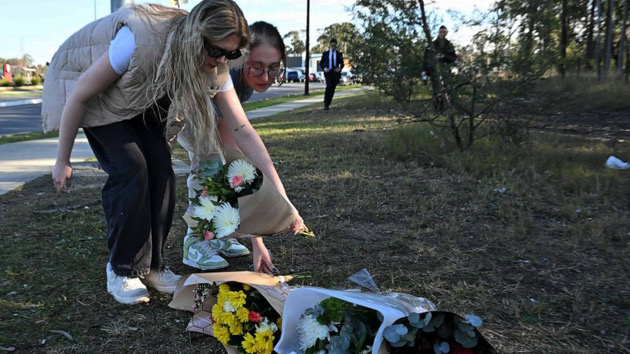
473, 320
464, 339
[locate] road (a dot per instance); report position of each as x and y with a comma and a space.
27, 118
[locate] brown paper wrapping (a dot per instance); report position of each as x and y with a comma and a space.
263, 213
267, 285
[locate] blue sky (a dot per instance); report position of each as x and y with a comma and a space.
38, 27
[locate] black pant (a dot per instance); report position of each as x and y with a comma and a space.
139, 195
332, 79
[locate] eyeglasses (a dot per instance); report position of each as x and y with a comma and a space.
216, 52
258, 71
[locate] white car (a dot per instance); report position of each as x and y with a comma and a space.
346, 78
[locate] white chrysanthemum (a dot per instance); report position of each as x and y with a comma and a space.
226, 220
242, 168
265, 325
207, 208
227, 307
309, 331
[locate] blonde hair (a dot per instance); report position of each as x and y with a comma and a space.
180, 75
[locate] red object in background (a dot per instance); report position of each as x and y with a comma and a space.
6, 72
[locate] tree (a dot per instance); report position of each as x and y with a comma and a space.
296, 46
344, 32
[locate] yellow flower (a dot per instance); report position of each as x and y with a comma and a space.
224, 288
237, 298
248, 343
279, 322
226, 318
236, 328
217, 311
221, 333
246, 287
264, 342
242, 314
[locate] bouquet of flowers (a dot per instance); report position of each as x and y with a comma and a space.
243, 318
317, 320
241, 309
215, 207
337, 326
436, 332
236, 199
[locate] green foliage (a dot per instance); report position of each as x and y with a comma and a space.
345, 33
19, 81
6, 82
388, 54
296, 46
36, 80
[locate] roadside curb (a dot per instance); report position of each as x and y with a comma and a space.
20, 102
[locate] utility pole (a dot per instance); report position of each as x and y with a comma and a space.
308, 60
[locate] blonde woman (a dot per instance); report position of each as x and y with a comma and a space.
132, 81
259, 69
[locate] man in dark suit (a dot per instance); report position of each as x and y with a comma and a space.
331, 63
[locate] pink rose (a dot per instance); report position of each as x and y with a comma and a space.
255, 317
208, 235
236, 181
204, 192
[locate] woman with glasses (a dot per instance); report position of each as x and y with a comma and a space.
132, 80
261, 66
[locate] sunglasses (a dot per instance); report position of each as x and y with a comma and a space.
216, 52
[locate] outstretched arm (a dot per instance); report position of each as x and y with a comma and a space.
251, 144
96, 79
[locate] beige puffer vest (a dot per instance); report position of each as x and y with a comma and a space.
125, 98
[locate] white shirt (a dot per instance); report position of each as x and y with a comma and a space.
121, 50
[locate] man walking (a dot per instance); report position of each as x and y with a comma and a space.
438, 63
331, 63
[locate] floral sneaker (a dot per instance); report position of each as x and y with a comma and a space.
229, 247
199, 254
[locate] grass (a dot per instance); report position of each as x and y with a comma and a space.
533, 239
248, 106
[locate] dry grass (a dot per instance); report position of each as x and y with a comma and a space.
533, 240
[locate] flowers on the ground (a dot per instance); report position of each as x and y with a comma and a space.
337, 326
436, 332
215, 206
244, 319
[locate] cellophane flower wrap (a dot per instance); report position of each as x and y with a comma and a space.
308, 324
235, 199
337, 326
243, 310
436, 332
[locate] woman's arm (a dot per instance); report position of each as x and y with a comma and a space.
250, 143
96, 79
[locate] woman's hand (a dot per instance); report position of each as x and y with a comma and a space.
62, 176
262, 259
297, 225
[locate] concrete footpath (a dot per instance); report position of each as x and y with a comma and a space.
24, 161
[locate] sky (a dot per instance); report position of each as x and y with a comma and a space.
39, 27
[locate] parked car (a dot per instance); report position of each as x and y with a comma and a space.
317, 76
346, 78
295, 76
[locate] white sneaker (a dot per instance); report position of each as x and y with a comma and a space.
126, 290
199, 254
229, 247
164, 281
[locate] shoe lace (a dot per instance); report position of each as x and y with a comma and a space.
206, 249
